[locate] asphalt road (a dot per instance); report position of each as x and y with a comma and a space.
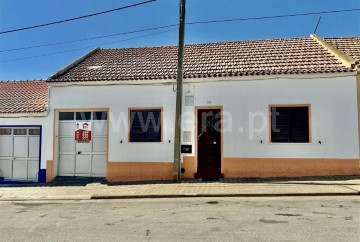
190, 219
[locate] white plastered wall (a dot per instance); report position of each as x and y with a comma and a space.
119, 98
333, 115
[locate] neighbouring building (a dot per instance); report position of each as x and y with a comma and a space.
261, 108
23, 128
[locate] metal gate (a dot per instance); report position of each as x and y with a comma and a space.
82, 159
19, 153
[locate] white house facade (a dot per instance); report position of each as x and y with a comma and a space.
267, 108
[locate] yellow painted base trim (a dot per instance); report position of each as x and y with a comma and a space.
266, 167
233, 168
189, 164
139, 171
49, 170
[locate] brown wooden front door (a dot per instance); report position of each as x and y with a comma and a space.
209, 143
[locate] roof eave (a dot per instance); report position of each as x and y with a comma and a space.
25, 115
349, 72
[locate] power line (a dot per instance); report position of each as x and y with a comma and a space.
271, 17
172, 25
92, 38
317, 25
76, 18
91, 46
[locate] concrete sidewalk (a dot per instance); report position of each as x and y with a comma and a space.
211, 189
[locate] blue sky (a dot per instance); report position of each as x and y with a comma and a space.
22, 13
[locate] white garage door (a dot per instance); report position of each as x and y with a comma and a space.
19, 153
82, 159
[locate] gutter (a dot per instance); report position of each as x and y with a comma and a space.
26, 115
201, 80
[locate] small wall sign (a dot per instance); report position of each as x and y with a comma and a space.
186, 149
83, 132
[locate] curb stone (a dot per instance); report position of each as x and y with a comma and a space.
100, 197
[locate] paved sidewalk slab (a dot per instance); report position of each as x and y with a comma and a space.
333, 182
214, 189
354, 187
219, 189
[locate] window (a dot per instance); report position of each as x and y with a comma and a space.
100, 115
290, 124
5, 131
34, 131
20, 131
145, 125
66, 116
83, 116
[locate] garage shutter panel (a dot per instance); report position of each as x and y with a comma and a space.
19, 153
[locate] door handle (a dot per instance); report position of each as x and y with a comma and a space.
200, 135
79, 152
214, 142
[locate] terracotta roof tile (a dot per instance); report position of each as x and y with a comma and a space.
348, 45
242, 58
23, 96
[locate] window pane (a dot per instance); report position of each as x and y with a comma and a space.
5, 131
290, 125
280, 124
34, 131
100, 115
153, 121
299, 125
145, 126
20, 131
137, 134
83, 116
210, 122
66, 116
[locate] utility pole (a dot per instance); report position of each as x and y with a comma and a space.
179, 84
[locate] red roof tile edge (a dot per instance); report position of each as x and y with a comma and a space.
23, 97
57, 77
